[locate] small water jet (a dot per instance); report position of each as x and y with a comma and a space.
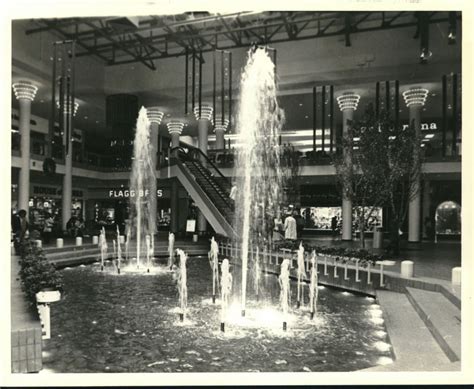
103, 247
214, 262
226, 288
170, 250
313, 285
285, 292
119, 251
182, 283
300, 274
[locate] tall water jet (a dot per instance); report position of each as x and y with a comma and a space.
182, 283
214, 262
300, 274
143, 174
226, 288
257, 169
285, 293
170, 250
103, 247
313, 285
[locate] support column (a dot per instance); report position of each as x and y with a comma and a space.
348, 102
174, 201
154, 117
175, 129
426, 204
203, 115
415, 98
25, 92
220, 127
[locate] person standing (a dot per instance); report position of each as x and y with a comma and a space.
48, 228
290, 227
20, 229
334, 225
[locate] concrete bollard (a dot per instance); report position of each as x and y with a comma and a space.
407, 269
456, 276
60, 242
95, 239
39, 243
78, 241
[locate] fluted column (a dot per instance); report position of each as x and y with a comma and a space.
348, 102
220, 128
154, 117
203, 116
25, 92
415, 98
175, 129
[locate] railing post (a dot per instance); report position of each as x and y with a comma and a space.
345, 272
381, 274
335, 268
369, 282
326, 265
357, 270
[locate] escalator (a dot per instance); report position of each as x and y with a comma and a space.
207, 186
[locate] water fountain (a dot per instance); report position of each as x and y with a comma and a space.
285, 292
226, 288
258, 172
170, 250
214, 262
119, 251
103, 247
300, 275
313, 284
182, 284
142, 176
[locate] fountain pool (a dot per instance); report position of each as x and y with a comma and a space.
108, 322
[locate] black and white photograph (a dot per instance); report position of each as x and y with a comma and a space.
202, 190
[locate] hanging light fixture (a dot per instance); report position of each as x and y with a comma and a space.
25, 90
175, 127
415, 96
221, 125
348, 100
204, 112
155, 115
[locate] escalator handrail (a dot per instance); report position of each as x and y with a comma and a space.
199, 151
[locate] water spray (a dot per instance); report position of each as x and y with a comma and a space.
313, 285
226, 287
300, 273
285, 293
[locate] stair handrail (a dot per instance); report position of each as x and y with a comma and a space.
199, 152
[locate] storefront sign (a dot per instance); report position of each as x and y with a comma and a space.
425, 126
132, 193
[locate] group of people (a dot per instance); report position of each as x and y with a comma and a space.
291, 228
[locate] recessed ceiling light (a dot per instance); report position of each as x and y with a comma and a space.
97, 122
301, 104
86, 117
306, 117
41, 101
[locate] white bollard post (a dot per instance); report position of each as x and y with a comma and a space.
44, 314
39, 243
335, 268
78, 241
369, 282
456, 276
60, 242
122, 239
381, 275
346, 278
326, 265
95, 239
407, 269
357, 270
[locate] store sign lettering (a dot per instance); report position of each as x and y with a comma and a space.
424, 126
133, 193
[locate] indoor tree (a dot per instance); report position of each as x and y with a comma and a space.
379, 165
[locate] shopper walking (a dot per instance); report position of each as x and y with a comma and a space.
290, 227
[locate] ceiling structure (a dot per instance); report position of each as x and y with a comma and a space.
122, 40
144, 55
